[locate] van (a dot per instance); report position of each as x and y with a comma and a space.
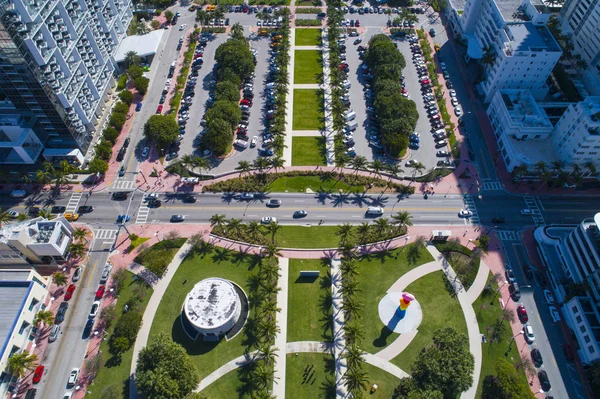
351, 126
349, 115
241, 143
18, 193
375, 211
526, 212
514, 291
54, 333
71, 217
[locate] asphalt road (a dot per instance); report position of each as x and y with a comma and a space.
66, 352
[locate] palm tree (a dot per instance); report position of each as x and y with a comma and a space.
489, 56
344, 232
591, 168
80, 234
59, 279
417, 167
353, 356
402, 218
356, 381
261, 164
382, 227
200, 163
340, 162
132, 58
362, 231
377, 166
42, 177
270, 250
77, 249
520, 171
187, 160
234, 228
277, 163
201, 16
46, 214
540, 167
273, 228
359, 163
352, 307
557, 167
19, 363
393, 170
267, 353
349, 287
237, 31
46, 317
244, 167
354, 332
217, 220
4, 217
253, 230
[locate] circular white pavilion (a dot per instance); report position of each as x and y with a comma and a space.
213, 306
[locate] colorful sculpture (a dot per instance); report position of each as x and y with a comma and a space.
405, 301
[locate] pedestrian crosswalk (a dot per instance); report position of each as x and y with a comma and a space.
491, 186
508, 235
73, 202
143, 212
105, 234
123, 185
532, 204
469, 205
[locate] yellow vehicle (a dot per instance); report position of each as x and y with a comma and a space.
71, 217
211, 7
192, 8
437, 47
263, 32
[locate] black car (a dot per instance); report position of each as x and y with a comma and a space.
177, 218
300, 214
544, 381
190, 199
60, 315
119, 195
58, 209
85, 209
162, 99
126, 142
34, 211
536, 356
121, 154
87, 330
154, 203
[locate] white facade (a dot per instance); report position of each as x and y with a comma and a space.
35, 241
525, 52
18, 139
22, 295
582, 316
577, 133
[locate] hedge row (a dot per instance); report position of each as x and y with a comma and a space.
308, 10
308, 22
183, 74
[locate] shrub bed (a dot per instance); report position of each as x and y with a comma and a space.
308, 22
214, 29
157, 257
308, 10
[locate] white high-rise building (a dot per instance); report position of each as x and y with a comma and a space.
515, 34
56, 68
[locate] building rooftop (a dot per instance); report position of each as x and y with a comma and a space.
532, 151
13, 295
15, 275
143, 45
525, 36
458, 5
509, 8
591, 107
523, 109
211, 303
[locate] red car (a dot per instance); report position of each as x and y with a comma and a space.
198, 55
425, 82
357, 23
70, 291
159, 109
100, 292
522, 313
37, 374
245, 101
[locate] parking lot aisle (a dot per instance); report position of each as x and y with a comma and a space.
289, 102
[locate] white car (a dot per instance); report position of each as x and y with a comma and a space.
465, 213
554, 314
67, 395
452, 93
145, 152
529, 335
77, 274
549, 297
190, 180
268, 220
443, 66
182, 27
14, 214
458, 111
454, 102
254, 141
73, 377
95, 309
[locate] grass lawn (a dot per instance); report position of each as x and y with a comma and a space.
299, 184
118, 374
488, 310
307, 66
386, 382
439, 310
228, 386
234, 266
157, 257
307, 237
308, 37
317, 383
308, 110
138, 241
376, 274
308, 151
309, 302
452, 251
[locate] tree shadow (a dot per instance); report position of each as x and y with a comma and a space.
360, 199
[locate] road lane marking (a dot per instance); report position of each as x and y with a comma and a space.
87, 284
484, 163
336, 209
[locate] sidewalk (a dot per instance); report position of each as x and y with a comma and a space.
339, 339
281, 337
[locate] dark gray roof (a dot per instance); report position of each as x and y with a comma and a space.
13, 295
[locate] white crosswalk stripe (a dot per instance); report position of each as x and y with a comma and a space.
532, 204
123, 184
507, 235
105, 234
73, 202
469, 205
143, 212
491, 186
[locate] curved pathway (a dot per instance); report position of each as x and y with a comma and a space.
159, 290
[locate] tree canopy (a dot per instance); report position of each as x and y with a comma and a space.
235, 54
161, 130
446, 365
407, 389
218, 136
226, 90
164, 370
506, 384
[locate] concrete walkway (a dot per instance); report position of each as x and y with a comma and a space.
312, 86
159, 290
470, 319
339, 339
480, 282
289, 103
308, 48
328, 134
281, 337
307, 133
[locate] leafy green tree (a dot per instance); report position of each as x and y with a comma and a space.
127, 327
117, 120
228, 111
164, 370
126, 96
135, 71
227, 74
506, 384
407, 389
119, 278
20, 363
59, 278
169, 15
111, 134
449, 351
98, 165
119, 346
236, 55
162, 130
107, 315
218, 136
132, 58
120, 108
225, 90
141, 84
103, 151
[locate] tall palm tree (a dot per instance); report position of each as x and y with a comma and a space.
19, 363
77, 250
353, 355
520, 171
402, 218
362, 231
261, 164
187, 160
46, 317
377, 166
557, 167
234, 228
352, 307
46, 214
356, 382
340, 162
237, 31
355, 332
358, 163
267, 353
349, 287
546, 178
591, 168
4, 217
254, 230
200, 163
59, 279
344, 232
270, 250
80, 234
42, 177
244, 167
382, 227
217, 220
393, 170
277, 163
417, 167
540, 167
272, 229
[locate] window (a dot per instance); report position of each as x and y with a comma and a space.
586, 339
578, 319
591, 349
575, 309
33, 303
24, 326
582, 329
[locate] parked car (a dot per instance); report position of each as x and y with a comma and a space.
549, 297
60, 314
100, 292
522, 313
94, 310
77, 273
536, 356
138, 107
105, 273
38, 373
544, 381
510, 275
69, 292
529, 335
73, 377
554, 314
